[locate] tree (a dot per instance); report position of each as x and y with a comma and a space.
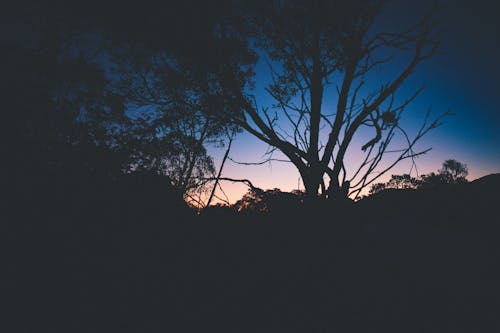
454, 172
398, 182
308, 53
151, 87
53, 98
169, 74
257, 200
182, 102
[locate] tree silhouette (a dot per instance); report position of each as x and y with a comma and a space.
311, 46
58, 105
155, 86
399, 182
256, 200
181, 93
454, 171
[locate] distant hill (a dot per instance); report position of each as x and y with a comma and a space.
106, 255
472, 202
489, 183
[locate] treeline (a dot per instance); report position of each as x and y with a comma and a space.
452, 172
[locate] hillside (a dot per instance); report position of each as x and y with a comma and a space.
394, 262
473, 203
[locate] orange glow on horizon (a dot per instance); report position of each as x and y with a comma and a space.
285, 176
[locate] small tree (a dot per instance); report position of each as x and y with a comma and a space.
398, 182
454, 172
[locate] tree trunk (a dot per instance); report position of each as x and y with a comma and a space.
337, 192
312, 180
316, 99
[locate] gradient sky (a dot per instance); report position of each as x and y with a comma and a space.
463, 77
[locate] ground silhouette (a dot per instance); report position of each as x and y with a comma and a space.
115, 255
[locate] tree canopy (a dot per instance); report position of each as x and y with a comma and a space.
322, 53
452, 172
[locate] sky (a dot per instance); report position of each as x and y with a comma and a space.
462, 77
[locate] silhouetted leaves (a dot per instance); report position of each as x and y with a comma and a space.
452, 172
259, 201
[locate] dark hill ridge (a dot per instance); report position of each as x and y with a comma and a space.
487, 183
388, 263
470, 203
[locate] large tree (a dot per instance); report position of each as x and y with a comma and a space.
314, 46
154, 83
181, 76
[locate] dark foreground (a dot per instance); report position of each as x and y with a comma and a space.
392, 264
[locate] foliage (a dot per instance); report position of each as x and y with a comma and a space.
53, 103
399, 182
181, 96
256, 200
130, 86
452, 172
